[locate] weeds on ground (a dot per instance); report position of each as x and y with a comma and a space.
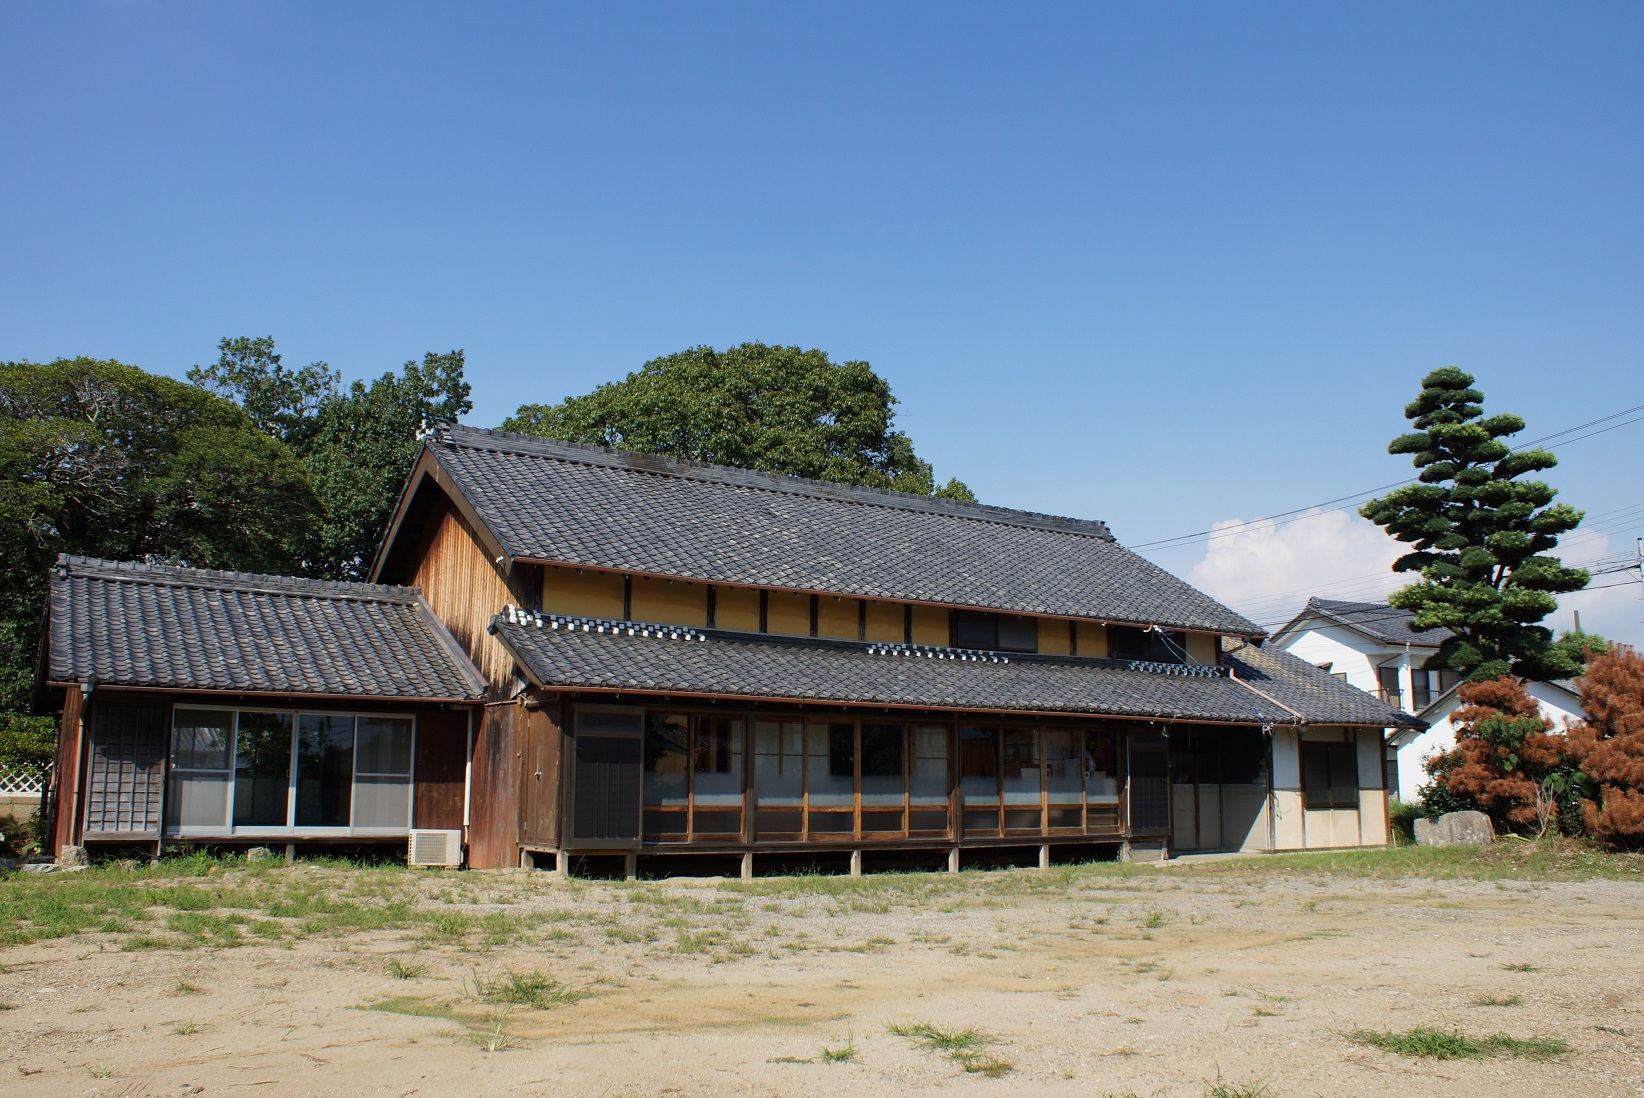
840, 1054
1522, 967
963, 1046
1255, 1089
405, 970
536, 990
1434, 1044
1497, 1001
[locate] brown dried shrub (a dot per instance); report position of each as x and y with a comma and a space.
1504, 750
1609, 745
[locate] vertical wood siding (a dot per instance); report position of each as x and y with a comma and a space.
127, 741
464, 589
493, 830
65, 796
442, 755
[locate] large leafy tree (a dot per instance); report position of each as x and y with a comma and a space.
103, 459
356, 442
777, 409
1482, 537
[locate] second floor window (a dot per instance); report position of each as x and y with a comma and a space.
994, 632
1128, 642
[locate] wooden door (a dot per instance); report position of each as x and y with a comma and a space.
539, 782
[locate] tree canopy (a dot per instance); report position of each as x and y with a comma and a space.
101, 459
1481, 537
776, 409
357, 443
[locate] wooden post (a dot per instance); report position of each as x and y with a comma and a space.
290, 853
747, 866
856, 863
953, 860
630, 867
1044, 855
562, 864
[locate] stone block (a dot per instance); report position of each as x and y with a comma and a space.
72, 855
1455, 829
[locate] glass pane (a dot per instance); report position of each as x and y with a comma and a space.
779, 764
831, 776
262, 770
664, 822
1101, 766
1244, 757
882, 821
882, 766
1022, 819
928, 819
198, 800
1021, 770
928, 784
979, 764
325, 770
832, 823
200, 739
790, 822
715, 822
981, 820
717, 763
384, 746
1064, 767
666, 741
382, 800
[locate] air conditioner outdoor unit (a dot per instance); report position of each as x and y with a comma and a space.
429, 847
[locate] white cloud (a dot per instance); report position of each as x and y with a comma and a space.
1267, 570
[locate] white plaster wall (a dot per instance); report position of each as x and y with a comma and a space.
1556, 705
1345, 651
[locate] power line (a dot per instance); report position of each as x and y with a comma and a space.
1330, 505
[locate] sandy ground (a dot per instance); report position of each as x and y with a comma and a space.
1160, 983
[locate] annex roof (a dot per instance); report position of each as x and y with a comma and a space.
1318, 696
1376, 620
597, 654
593, 507
153, 625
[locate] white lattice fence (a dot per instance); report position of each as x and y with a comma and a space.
23, 780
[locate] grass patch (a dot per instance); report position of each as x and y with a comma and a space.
1497, 1001
414, 1007
965, 1047
1434, 1044
840, 1054
536, 990
183, 987
405, 970
1256, 1089
1522, 967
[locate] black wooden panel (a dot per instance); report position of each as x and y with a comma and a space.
607, 785
127, 767
1149, 784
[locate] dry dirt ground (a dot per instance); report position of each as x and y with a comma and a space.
1086, 980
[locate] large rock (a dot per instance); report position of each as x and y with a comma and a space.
1455, 829
72, 856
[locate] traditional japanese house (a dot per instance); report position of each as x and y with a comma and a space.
218, 707
693, 660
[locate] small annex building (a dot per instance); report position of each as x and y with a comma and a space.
210, 707
682, 660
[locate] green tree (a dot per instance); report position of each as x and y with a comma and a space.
357, 443
777, 409
101, 459
282, 402
1482, 538
362, 448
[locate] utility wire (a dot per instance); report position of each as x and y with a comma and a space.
1333, 504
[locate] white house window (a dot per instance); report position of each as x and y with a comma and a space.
254, 772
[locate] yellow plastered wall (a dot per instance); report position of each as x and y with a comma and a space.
1053, 636
838, 617
737, 608
671, 603
788, 612
930, 625
585, 594
886, 622
1092, 639
1202, 647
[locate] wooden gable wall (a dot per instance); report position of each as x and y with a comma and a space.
465, 590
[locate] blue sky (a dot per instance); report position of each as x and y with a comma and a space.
1167, 265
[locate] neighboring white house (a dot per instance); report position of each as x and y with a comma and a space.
1560, 703
1371, 646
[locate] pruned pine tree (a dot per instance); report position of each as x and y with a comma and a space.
1481, 537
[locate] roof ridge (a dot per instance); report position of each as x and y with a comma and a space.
633, 461
179, 575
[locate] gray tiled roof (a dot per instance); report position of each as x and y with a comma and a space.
585, 505
130, 624
1318, 696
1376, 620
760, 666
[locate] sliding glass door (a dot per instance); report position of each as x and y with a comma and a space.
270, 772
